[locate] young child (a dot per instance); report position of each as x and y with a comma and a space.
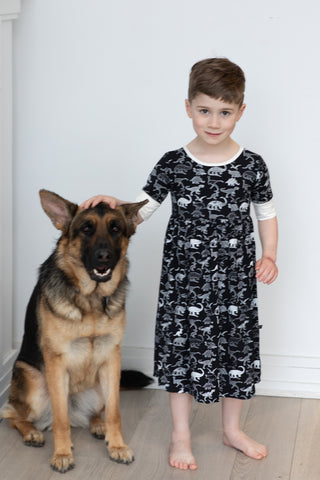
207, 330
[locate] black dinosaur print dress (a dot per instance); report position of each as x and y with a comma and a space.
207, 330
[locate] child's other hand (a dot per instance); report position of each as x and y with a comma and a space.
267, 270
93, 201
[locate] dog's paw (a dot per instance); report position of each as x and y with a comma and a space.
122, 454
62, 463
98, 429
34, 438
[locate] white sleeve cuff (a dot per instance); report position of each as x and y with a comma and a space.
147, 210
265, 211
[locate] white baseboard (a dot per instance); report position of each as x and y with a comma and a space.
5, 376
290, 376
282, 375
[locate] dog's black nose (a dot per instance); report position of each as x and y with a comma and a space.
102, 255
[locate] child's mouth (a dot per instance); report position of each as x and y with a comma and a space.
211, 134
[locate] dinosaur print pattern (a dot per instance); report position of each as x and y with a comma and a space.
207, 330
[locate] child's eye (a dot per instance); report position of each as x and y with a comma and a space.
225, 113
204, 111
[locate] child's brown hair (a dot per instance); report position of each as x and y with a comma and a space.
218, 78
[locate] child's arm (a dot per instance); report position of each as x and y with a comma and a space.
266, 267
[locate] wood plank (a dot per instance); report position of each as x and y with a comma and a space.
273, 422
150, 443
8, 439
151, 440
143, 419
210, 452
133, 405
213, 457
88, 451
155, 429
20, 462
306, 462
289, 426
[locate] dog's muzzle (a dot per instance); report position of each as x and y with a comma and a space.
103, 262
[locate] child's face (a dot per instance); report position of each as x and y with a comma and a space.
213, 120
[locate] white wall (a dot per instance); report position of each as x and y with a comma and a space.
99, 95
9, 11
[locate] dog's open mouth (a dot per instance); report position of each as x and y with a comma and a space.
101, 274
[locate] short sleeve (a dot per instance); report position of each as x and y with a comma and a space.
261, 192
159, 180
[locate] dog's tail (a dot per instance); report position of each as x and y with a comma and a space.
133, 380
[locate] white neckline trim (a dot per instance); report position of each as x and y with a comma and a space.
214, 164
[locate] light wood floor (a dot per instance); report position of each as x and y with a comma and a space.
290, 428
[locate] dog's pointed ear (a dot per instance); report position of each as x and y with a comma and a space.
59, 210
131, 212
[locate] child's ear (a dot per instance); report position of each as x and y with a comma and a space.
241, 110
188, 108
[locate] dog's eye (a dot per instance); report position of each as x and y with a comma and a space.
87, 228
115, 228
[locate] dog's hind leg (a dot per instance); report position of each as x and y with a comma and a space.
28, 400
97, 426
31, 436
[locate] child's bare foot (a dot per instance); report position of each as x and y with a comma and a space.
245, 444
180, 454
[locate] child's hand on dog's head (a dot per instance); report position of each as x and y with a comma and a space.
93, 201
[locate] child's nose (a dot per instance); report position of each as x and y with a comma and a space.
214, 121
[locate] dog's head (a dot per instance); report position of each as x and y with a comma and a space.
95, 239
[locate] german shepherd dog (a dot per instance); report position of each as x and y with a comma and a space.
68, 369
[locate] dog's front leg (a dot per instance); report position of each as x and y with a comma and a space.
109, 376
58, 385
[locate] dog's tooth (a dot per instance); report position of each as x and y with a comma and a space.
99, 274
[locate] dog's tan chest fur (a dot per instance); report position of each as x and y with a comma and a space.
84, 359
84, 343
